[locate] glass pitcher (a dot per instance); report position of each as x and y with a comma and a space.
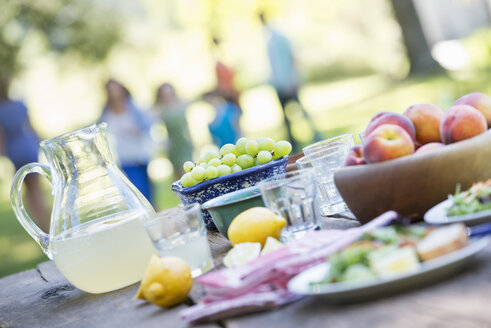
96, 237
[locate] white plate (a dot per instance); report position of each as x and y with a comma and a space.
438, 215
431, 271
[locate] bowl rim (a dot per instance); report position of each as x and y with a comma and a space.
176, 186
349, 180
417, 157
211, 203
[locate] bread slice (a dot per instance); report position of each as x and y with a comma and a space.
442, 241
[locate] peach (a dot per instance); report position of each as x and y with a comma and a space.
386, 142
391, 118
355, 156
479, 101
461, 122
428, 147
426, 118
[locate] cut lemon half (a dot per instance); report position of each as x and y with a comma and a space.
241, 254
272, 244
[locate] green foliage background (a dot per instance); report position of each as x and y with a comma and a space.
88, 29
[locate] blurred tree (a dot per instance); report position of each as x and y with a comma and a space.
417, 48
88, 28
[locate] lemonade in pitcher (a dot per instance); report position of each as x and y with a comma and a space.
96, 235
105, 255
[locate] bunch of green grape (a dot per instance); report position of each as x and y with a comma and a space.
233, 158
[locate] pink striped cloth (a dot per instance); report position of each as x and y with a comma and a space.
262, 284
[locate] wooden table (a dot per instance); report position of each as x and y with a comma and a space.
42, 297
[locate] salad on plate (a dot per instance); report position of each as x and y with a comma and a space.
475, 199
390, 251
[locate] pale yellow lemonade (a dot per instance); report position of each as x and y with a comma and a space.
106, 254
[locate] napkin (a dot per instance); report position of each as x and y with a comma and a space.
262, 283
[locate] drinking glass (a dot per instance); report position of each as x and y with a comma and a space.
303, 163
291, 195
325, 164
181, 232
361, 135
345, 141
329, 154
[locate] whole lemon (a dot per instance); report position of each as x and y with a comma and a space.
167, 281
255, 225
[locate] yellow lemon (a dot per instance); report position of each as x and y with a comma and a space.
255, 225
167, 281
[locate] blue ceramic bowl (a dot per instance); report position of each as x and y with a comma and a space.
213, 188
225, 208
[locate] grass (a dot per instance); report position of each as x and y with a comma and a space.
17, 250
370, 95
336, 107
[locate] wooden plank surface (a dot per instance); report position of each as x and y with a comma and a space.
460, 301
43, 298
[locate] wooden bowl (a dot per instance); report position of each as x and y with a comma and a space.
291, 165
413, 184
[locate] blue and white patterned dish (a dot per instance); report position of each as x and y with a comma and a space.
210, 189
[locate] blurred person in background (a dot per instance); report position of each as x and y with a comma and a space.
172, 111
129, 130
225, 78
284, 76
20, 143
225, 126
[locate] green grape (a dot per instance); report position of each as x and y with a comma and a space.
187, 180
251, 148
215, 162
265, 144
259, 140
211, 172
245, 161
264, 156
256, 162
227, 149
203, 165
282, 148
240, 146
198, 173
210, 154
236, 168
229, 159
223, 170
188, 166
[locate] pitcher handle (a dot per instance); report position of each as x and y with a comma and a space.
36, 233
